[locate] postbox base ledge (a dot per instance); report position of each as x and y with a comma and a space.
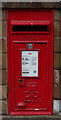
30, 113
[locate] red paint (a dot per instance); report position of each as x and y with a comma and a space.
32, 95
29, 53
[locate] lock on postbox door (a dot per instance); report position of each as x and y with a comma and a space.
30, 61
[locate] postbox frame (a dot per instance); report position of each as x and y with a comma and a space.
10, 49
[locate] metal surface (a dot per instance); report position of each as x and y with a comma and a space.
30, 95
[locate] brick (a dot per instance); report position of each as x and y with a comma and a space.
0, 117
0, 61
10, 4
60, 106
2, 45
60, 29
0, 4
57, 60
56, 29
0, 107
3, 77
60, 76
60, 14
0, 28
60, 60
30, 5
4, 14
0, 92
60, 92
3, 61
57, 44
3, 28
56, 76
56, 14
48, 4
3, 105
0, 77
3, 92
56, 106
57, 4
0, 14
56, 92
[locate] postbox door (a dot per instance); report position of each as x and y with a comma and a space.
31, 76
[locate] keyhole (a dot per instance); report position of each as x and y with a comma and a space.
20, 81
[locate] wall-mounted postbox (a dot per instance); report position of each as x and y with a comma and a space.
30, 61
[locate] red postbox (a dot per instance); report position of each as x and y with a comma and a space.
30, 61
